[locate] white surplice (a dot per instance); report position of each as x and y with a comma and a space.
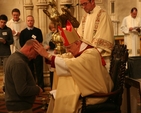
131, 38
17, 26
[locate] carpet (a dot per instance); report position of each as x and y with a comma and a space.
39, 106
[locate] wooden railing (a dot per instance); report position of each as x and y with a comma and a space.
120, 39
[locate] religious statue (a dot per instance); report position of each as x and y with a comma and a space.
60, 20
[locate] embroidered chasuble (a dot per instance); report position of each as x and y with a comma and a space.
97, 28
88, 75
131, 38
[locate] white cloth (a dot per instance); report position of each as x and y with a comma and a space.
61, 67
17, 26
131, 38
88, 75
103, 38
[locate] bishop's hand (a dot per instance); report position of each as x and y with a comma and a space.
40, 49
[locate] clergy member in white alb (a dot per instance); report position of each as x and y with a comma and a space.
131, 28
96, 27
16, 24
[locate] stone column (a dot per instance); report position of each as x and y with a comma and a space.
139, 7
28, 7
42, 24
42, 18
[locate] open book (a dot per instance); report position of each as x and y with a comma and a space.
137, 29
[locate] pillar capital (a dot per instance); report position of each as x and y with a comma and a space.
28, 5
41, 5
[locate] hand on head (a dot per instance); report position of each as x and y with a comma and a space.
40, 49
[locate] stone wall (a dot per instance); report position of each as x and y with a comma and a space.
34, 7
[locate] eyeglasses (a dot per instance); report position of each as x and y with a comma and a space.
84, 4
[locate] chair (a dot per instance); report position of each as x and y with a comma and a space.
119, 57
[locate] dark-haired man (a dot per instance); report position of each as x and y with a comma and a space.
96, 27
16, 24
6, 39
130, 27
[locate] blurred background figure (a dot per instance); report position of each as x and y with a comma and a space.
36, 65
16, 24
48, 43
130, 27
96, 27
50, 46
6, 39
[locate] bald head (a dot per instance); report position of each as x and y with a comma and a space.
28, 49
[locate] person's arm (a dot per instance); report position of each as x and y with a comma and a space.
49, 37
46, 41
124, 27
9, 40
39, 36
22, 80
56, 62
61, 67
139, 29
21, 38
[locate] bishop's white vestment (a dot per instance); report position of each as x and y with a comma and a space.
81, 75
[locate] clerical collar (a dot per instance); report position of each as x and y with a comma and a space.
30, 28
91, 12
83, 46
17, 21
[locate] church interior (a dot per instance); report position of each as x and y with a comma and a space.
117, 10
